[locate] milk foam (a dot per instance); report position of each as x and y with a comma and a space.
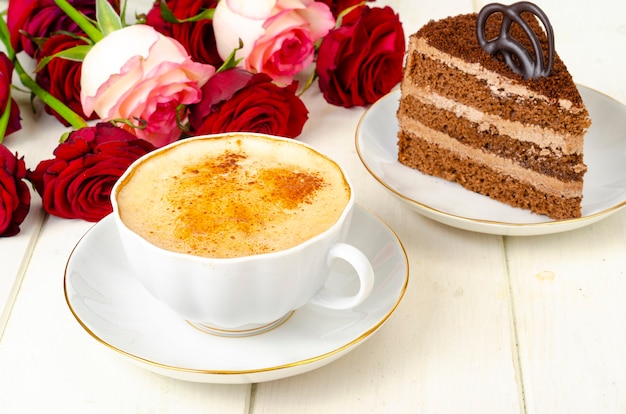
233, 196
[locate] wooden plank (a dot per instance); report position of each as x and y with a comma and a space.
35, 142
44, 350
48, 363
569, 292
15, 253
569, 288
449, 347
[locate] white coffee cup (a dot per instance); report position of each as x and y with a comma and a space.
245, 294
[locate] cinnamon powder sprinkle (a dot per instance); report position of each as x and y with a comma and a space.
223, 199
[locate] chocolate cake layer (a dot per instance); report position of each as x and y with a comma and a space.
432, 159
446, 79
457, 37
548, 161
542, 182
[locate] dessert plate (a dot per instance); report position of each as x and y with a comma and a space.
604, 190
116, 310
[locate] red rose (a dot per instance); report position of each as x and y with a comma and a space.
14, 193
197, 37
77, 183
362, 60
238, 101
6, 74
40, 18
61, 77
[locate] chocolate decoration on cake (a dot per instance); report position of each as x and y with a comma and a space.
519, 59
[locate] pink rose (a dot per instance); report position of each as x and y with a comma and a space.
278, 35
138, 74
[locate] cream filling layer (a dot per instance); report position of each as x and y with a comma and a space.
498, 84
567, 144
501, 165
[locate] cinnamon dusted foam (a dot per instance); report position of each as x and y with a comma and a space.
233, 196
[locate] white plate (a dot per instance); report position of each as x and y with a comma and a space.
115, 310
604, 190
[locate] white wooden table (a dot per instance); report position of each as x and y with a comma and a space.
489, 324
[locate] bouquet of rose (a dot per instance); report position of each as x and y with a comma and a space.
184, 68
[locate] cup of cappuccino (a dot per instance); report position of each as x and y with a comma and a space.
236, 231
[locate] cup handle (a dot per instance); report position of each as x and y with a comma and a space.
355, 258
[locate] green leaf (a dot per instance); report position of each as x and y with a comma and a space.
108, 19
123, 13
76, 54
308, 83
85, 39
166, 13
169, 17
65, 136
230, 61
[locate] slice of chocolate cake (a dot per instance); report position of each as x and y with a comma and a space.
501, 121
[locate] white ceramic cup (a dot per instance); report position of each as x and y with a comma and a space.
249, 294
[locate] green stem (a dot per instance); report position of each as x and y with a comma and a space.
83, 22
6, 40
308, 83
6, 37
75, 120
4, 120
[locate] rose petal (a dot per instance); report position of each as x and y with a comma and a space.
252, 9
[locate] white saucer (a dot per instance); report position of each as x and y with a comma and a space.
115, 310
604, 190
